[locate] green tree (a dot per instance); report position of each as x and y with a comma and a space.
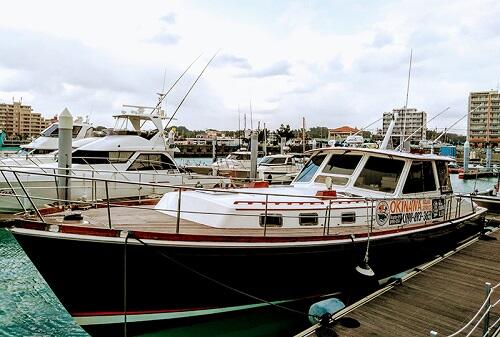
318, 132
285, 131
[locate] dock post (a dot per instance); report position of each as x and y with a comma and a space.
488, 157
282, 145
178, 223
214, 149
433, 333
64, 154
486, 319
254, 142
466, 155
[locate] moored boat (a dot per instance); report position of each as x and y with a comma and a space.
199, 252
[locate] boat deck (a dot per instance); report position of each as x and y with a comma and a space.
442, 298
145, 218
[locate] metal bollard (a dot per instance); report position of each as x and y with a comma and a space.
486, 319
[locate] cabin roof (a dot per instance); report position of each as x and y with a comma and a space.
392, 153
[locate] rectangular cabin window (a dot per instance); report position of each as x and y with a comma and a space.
308, 219
420, 178
310, 168
271, 220
344, 164
348, 218
380, 174
443, 176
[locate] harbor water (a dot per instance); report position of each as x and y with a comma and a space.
28, 307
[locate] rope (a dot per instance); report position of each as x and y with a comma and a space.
224, 285
477, 313
492, 326
487, 311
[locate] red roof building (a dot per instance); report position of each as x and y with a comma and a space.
341, 133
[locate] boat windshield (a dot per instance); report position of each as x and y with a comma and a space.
380, 174
272, 161
239, 156
344, 164
310, 168
53, 131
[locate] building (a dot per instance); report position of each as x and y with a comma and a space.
341, 133
19, 121
412, 121
483, 123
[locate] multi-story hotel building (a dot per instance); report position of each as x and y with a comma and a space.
483, 123
19, 120
409, 119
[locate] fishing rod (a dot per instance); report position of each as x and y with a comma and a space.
163, 95
366, 127
192, 86
425, 124
451, 126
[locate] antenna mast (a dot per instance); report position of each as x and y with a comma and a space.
406, 101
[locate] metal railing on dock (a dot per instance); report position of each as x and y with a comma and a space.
484, 311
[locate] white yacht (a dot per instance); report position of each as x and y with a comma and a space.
280, 168
135, 150
43, 149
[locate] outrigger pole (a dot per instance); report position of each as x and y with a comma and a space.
425, 124
191, 88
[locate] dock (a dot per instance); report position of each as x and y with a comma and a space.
437, 301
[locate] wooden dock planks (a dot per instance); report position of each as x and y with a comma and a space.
442, 298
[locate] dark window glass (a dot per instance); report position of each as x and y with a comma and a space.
348, 218
342, 164
76, 130
51, 131
443, 176
271, 220
308, 219
100, 157
152, 161
420, 178
272, 161
310, 168
380, 174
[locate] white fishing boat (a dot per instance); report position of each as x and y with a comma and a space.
135, 150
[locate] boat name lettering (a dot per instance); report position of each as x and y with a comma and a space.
411, 205
408, 211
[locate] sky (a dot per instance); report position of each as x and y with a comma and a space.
333, 62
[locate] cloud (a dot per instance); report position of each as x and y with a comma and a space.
382, 39
231, 60
280, 68
168, 18
166, 39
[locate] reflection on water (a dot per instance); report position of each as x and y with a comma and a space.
28, 307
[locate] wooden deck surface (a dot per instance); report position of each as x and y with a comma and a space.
442, 298
146, 218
